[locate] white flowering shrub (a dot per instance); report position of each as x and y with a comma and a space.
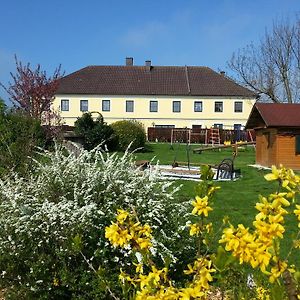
52, 223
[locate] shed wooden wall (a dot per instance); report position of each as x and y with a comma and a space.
286, 152
276, 149
266, 147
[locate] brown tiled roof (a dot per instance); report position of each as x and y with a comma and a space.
154, 80
274, 115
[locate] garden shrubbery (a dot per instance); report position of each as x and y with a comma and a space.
20, 134
96, 132
129, 133
52, 239
59, 240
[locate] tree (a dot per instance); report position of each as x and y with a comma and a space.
272, 68
32, 90
95, 132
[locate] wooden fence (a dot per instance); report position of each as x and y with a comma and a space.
198, 135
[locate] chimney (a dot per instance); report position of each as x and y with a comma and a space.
222, 73
129, 61
148, 63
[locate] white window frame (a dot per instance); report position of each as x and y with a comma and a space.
155, 103
235, 106
105, 105
196, 103
82, 108
129, 106
175, 108
221, 109
66, 105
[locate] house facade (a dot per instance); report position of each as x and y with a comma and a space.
157, 96
277, 129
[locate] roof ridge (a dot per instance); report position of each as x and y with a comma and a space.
142, 66
187, 79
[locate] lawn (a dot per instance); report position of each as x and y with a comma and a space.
235, 199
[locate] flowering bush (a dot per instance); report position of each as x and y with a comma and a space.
50, 223
260, 248
150, 281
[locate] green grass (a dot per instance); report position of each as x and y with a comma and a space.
235, 199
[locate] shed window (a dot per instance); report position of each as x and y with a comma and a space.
297, 144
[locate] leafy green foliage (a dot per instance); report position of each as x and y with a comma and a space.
129, 132
95, 132
20, 134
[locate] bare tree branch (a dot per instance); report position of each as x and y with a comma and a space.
272, 68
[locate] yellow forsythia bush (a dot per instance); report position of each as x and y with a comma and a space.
259, 247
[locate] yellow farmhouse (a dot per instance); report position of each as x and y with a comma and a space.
157, 96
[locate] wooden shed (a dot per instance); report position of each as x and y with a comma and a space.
277, 128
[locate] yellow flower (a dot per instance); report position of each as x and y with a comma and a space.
264, 207
297, 213
208, 227
194, 229
212, 190
277, 270
144, 243
268, 231
55, 281
122, 216
189, 293
117, 236
123, 277
296, 244
262, 294
201, 206
261, 257
278, 199
139, 268
111, 232
274, 175
190, 270
145, 230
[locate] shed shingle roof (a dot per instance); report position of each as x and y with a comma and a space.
154, 80
274, 115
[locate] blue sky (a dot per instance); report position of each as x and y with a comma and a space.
80, 33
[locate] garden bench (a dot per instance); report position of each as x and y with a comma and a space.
225, 169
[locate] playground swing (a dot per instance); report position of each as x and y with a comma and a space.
179, 136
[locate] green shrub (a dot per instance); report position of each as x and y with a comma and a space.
20, 134
95, 132
129, 132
